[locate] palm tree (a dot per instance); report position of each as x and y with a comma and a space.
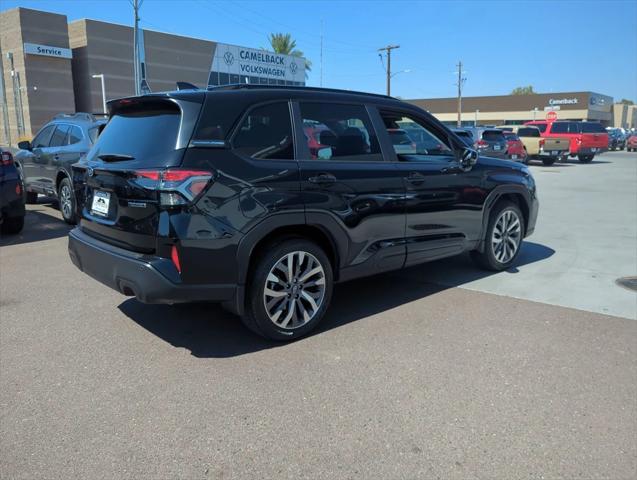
284, 44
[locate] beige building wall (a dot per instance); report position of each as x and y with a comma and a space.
624, 116
46, 83
106, 48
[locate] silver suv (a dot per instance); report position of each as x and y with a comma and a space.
489, 141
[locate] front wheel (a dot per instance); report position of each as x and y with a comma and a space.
289, 291
66, 197
503, 238
585, 158
548, 161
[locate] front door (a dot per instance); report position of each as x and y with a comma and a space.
443, 202
346, 181
31, 162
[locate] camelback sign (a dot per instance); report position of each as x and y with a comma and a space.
252, 64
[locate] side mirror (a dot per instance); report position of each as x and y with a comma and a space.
25, 145
468, 158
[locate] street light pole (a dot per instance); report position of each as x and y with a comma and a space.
388, 49
475, 122
101, 77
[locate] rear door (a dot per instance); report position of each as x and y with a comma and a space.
594, 136
348, 183
144, 137
51, 155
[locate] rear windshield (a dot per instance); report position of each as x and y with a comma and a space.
528, 132
592, 127
510, 136
149, 135
492, 136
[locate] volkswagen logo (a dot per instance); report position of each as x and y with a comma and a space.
293, 67
228, 57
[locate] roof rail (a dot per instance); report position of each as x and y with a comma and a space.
78, 115
255, 86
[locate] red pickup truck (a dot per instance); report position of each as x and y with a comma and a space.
586, 138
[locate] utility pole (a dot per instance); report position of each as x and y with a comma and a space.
136, 70
388, 49
461, 80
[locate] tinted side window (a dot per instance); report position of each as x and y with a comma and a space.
59, 136
592, 127
560, 127
541, 126
574, 127
339, 132
75, 135
266, 133
42, 139
528, 132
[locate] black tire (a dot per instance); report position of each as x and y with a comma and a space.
31, 198
487, 258
585, 158
256, 317
12, 225
66, 199
548, 161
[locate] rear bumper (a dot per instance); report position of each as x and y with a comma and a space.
149, 278
591, 150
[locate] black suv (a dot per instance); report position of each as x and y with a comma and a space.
221, 195
46, 162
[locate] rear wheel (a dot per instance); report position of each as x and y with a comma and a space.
503, 238
66, 197
548, 161
12, 225
585, 158
32, 198
289, 291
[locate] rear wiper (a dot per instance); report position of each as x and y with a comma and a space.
115, 157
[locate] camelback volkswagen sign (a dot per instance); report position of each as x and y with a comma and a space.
234, 64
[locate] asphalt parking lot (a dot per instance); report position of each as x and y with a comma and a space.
438, 371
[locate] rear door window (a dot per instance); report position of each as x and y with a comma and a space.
148, 133
560, 127
59, 136
266, 133
592, 127
75, 135
345, 132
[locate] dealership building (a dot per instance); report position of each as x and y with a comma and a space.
517, 109
48, 66
51, 66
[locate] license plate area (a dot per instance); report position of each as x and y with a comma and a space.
496, 147
101, 203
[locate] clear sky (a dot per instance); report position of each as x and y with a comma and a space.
552, 45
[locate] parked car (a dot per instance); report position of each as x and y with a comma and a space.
46, 161
489, 141
546, 149
464, 135
631, 143
515, 147
401, 142
247, 217
11, 195
616, 139
587, 139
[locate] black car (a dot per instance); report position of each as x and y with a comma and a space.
216, 196
11, 195
616, 139
46, 161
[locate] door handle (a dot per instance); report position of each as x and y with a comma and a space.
323, 179
415, 178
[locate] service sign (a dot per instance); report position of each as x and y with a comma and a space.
249, 62
47, 50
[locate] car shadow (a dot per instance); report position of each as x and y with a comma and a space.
39, 225
208, 331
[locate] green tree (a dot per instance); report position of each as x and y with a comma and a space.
528, 90
284, 44
625, 101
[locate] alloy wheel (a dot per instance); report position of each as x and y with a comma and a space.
66, 202
294, 290
506, 237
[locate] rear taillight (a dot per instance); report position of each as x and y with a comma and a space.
578, 140
6, 158
175, 186
481, 144
542, 142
